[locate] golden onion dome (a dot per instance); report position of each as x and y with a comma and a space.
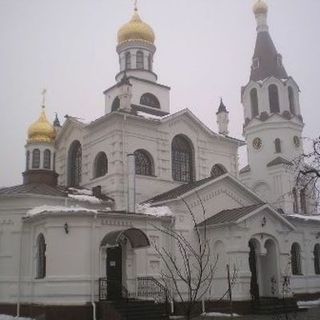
136, 29
260, 7
41, 130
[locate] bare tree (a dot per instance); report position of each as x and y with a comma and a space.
189, 270
307, 167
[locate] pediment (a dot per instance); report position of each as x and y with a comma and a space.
266, 220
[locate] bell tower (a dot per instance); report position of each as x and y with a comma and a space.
273, 121
40, 152
136, 49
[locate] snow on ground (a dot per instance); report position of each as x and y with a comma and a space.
6, 317
218, 314
44, 209
304, 217
308, 304
154, 211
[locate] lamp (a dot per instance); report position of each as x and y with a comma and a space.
66, 228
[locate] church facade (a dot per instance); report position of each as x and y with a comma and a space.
95, 196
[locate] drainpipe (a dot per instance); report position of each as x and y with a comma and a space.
93, 225
131, 197
19, 271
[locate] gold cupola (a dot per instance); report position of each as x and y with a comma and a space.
260, 7
41, 130
136, 29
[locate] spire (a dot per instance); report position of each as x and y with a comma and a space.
223, 118
56, 122
266, 60
222, 107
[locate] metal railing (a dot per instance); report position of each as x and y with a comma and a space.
119, 291
150, 288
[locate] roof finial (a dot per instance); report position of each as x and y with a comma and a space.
135, 5
44, 93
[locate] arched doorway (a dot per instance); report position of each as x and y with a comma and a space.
116, 245
263, 263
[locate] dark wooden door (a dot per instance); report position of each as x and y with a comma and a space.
114, 273
254, 287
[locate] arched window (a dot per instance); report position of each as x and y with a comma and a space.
41, 257
254, 102
74, 164
274, 99
291, 101
144, 163
277, 145
296, 259
128, 60
295, 200
100, 165
303, 201
150, 100
27, 160
316, 255
140, 60
150, 62
218, 170
36, 159
115, 104
182, 159
47, 159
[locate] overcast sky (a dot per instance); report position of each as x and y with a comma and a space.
204, 50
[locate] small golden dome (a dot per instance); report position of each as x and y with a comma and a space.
136, 29
41, 130
260, 7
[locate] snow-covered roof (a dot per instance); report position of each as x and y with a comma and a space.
305, 217
149, 115
161, 211
54, 209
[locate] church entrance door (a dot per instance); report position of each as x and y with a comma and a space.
114, 273
263, 263
254, 287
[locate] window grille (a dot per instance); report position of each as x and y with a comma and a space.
36, 159
254, 102
316, 254
41, 257
296, 259
274, 99
182, 160
101, 165
148, 99
143, 163
75, 164
47, 159
140, 60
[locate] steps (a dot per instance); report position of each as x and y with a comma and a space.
132, 310
267, 306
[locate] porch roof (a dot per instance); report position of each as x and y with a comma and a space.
137, 238
230, 216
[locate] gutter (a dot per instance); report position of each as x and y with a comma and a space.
19, 271
93, 267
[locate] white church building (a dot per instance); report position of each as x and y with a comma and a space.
95, 195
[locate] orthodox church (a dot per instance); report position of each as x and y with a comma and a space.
85, 224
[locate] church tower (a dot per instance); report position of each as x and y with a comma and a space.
136, 49
40, 152
273, 121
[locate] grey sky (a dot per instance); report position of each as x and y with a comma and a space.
204, 50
